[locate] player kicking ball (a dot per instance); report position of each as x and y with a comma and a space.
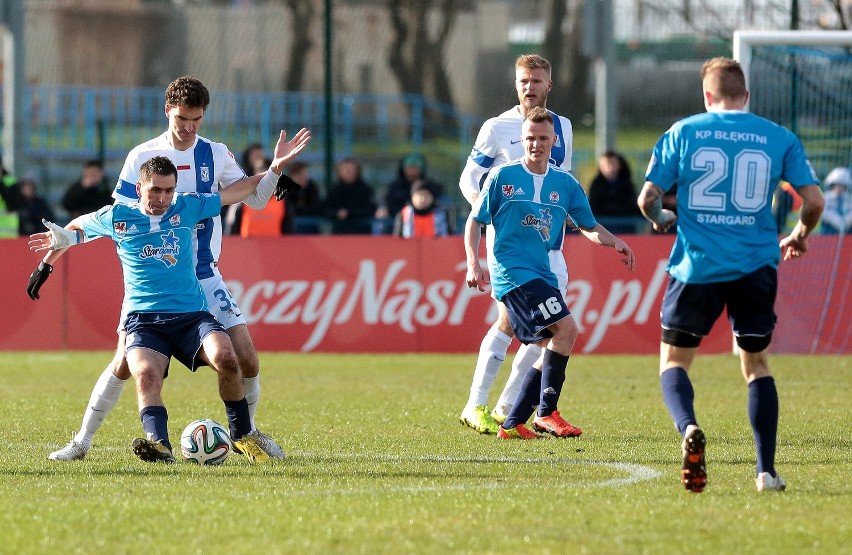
528, 202
167, 312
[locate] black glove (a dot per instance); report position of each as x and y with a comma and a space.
37, 278
285, 186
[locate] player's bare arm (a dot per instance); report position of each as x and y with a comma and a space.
651, 204
602, 236
474, 277
796, 244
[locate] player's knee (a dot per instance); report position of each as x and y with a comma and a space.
754, 344
225, 362
149, 379
249, 364
677, 338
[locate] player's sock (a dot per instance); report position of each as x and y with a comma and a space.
155, 422
678, 396
763, 414
527, 401
492, 352
105, 395
252, 388
524, 360
552, 378
239, 421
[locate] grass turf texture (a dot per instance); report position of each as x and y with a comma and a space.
377, 463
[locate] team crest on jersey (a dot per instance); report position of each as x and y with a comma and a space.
205, 173
542, 224
508, 190
554, 197
167, 253
175, 220
119, 227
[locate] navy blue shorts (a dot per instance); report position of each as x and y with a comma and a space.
532, 308
694, 307
172, 335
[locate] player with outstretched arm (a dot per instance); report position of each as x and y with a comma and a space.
167, 313
203, 166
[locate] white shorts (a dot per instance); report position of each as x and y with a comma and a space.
220, 303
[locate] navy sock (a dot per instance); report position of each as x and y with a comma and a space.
763, 414
155, 422
239, 421
552, 378
678, 396
527, 400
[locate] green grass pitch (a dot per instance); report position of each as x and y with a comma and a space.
378, 463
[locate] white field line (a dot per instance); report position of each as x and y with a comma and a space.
634, 473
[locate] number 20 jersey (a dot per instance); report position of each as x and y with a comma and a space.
726, 165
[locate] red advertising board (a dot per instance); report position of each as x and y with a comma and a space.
385, 294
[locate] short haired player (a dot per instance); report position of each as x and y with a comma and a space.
167, 313
726, 164
499, 142
203, 166
528, 202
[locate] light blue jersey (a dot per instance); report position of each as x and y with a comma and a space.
156, 252
528, 212
726, 165
203, 168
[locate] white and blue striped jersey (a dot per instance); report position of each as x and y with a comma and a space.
204, 168
528, 212
499, 141
726, 165
157, 252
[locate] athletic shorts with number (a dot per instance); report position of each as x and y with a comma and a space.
694, 307
532, 308
220, 302
177, 335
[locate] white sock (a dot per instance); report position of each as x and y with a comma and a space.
492, 351
524, 360
252, 387
104, 397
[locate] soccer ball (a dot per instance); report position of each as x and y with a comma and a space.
205, 442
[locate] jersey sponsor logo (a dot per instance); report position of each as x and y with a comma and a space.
120, 228
205, 173
725, 219
133, 229
175, 220
514, 142
541, 224
508, 190
167, 253
554, 197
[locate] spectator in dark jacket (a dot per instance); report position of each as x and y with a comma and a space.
613, 194
32, 209
349, 204
89, 193
412, 168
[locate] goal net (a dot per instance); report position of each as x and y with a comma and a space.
803, 81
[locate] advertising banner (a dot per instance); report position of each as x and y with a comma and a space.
385, 294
